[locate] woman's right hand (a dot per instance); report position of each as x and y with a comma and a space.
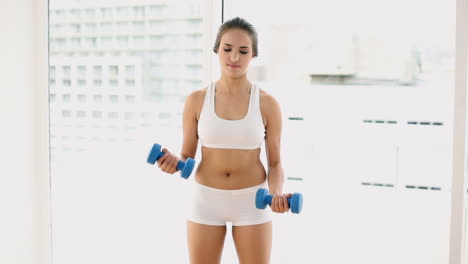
168, 162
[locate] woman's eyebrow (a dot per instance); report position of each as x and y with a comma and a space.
226, 44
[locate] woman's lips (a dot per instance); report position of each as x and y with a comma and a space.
233, 66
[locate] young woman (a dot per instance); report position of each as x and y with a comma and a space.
231, 118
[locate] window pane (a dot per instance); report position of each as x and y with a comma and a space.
366, 90
111, 98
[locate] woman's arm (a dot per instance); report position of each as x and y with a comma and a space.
191, 113
168, 162
273, 126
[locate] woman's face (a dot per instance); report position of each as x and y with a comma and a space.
235, 52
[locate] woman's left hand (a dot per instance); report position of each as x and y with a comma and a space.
279, 203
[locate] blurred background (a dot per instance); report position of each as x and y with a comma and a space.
366, 90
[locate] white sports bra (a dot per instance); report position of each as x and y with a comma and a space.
245, 133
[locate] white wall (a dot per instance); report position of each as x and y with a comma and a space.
23, 124
458, 222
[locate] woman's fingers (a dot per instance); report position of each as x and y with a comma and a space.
276, 204
161, 160
174, 164
168, 162
164, 157
285, 203
279, 204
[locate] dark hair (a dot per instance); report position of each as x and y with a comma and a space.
237, 23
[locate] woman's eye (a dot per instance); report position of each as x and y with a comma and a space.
242, 52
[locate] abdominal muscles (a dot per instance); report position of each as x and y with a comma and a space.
230, 168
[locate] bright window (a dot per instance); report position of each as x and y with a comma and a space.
111, 98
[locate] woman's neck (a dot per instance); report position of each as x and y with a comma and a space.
233, 86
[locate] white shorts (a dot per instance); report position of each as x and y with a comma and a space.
211, 206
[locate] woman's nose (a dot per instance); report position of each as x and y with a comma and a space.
234, 57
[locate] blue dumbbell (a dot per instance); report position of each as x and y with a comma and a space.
262, 199
185, 167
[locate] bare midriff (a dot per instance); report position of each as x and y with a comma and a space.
230, 169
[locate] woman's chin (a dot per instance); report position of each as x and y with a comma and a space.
234, 75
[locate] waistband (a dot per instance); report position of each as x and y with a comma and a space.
229, 192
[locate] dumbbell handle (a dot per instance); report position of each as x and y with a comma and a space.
180, 164
159, 155
268, 198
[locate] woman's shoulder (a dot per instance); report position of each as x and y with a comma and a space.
267, 99
269, 107
195, 100
197, 95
